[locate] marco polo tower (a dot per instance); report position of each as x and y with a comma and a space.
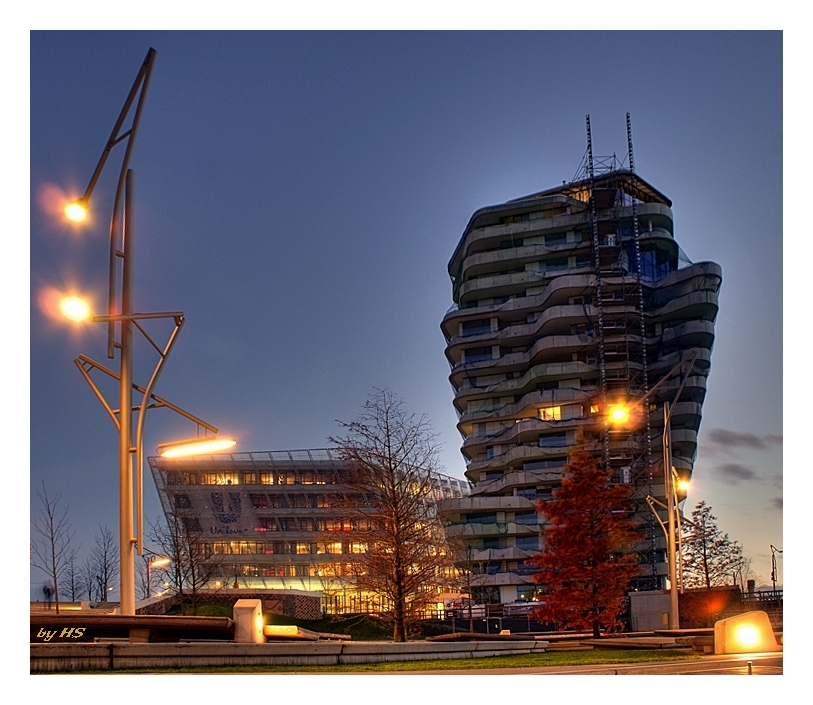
568, 301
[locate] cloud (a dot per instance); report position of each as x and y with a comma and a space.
734, 472
774, 438
735, 439
776, 503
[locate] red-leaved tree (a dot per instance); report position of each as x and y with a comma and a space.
586, 565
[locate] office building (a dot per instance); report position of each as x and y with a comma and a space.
275, 520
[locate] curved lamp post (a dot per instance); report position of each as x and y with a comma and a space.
621, 413
123, 319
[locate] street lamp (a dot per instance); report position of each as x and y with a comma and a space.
121, 317
672, 482
153, 560
774, 551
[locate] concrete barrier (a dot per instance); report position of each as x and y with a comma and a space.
113, 656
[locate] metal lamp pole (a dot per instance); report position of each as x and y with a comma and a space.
122, 231
671, 510
670, 528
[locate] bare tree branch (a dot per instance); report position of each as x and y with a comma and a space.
392, 473
51, 550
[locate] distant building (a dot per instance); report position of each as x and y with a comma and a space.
566, 302
275, 519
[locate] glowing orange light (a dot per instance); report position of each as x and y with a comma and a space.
75, 308
76, 211
196, 446
683, 485
619, 414
748, 635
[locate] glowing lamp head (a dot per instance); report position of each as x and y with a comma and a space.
683, 485
747, 635
76, 211
618, 414
75, 308
196, 446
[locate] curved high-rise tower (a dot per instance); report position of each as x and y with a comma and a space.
567, 302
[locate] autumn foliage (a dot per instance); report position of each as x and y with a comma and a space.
586, 566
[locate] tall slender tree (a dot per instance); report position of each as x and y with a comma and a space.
72, 585
51, 539
586, 564
104, 559
390, 485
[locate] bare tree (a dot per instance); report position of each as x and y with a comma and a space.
72, 583
390, 485
104, 559
51, 549
710, 557
462, 554
87, 575
192, 566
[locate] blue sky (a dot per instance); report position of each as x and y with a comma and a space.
300, 194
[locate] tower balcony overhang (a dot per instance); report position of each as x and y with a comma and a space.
492, 529
526, 408
695, 305
501, 285
453, 509
469, 391
526, 431
558, 291
516, 480
553, 346
491, 261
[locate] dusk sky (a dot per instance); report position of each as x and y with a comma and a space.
299, 196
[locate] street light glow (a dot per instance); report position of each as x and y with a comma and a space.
76, 211
75, 308
196, 446
747, 635
619, 414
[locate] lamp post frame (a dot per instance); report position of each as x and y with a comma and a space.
121, 312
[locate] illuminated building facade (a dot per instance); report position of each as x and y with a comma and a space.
565, 302
275, 519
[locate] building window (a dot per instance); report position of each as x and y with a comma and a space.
553, 440
258, 501
528, 543
555, 265
182, 501
477, 354
551, 413
478, 327
526, 518
267, 524
249, 478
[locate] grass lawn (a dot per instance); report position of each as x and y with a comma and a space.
568, 658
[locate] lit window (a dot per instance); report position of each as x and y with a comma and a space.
552, 413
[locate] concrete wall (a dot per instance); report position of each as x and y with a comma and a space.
649, 610
122, 655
